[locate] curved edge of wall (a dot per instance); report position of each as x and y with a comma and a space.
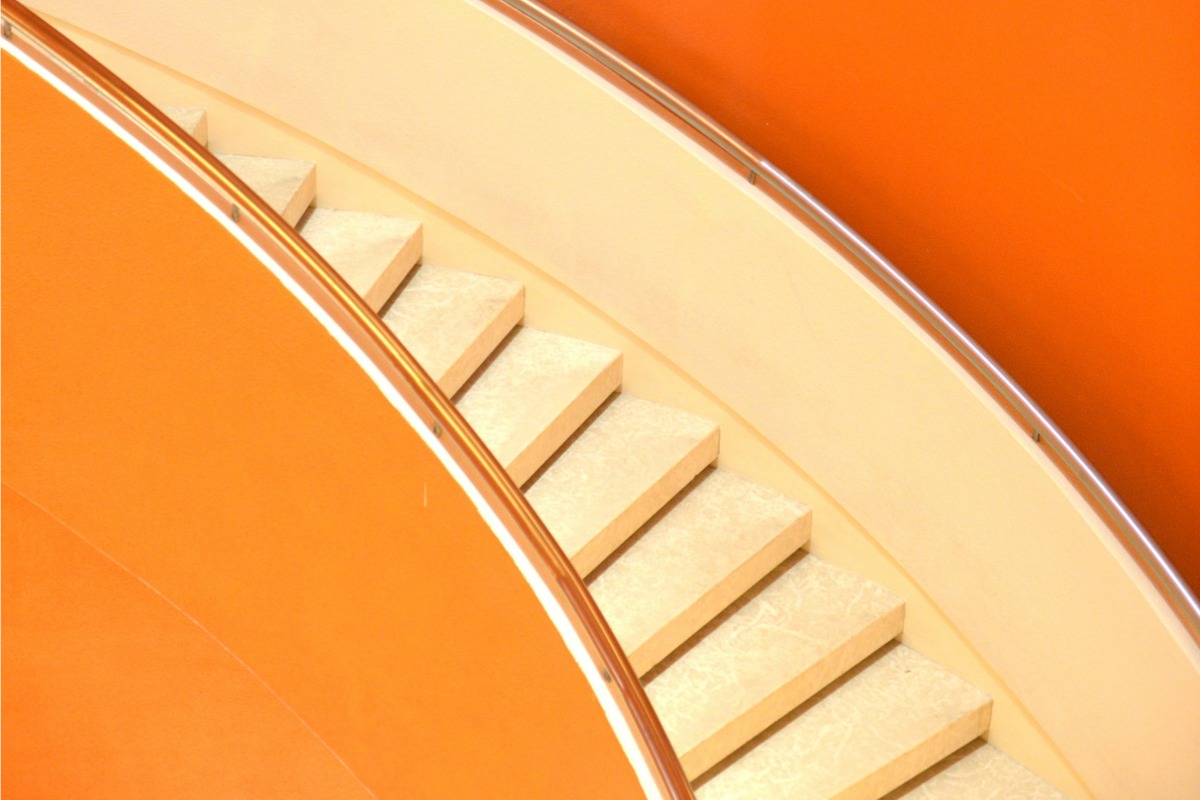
282, 578
467, 110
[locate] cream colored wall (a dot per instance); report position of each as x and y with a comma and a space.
724, 305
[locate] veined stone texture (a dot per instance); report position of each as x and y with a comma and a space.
862, 737
625, 464
778, 664
288, 186
978, 772
534, 393
802, 629
372, 252
693, 559
451, 320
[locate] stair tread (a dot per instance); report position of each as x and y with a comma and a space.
451, 320
977, 772
372, 252
286, 184
710, 545
624, 465
766, 661
534, 392
194, 121
864, 736
801, 629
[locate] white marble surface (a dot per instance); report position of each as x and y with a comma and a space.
804, 627
534, 393
692, 560
287, 185
977, 772
625, 464
870, 733
451, 320
372, 252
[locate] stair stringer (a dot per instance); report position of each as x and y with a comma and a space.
652, 370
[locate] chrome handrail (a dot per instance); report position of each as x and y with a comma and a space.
1133, 536
218, 185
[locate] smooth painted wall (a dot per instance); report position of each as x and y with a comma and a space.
1034, 166
901, 454
231, 567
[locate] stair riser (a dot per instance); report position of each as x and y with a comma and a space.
538, 451
625, 524
289, 187
813, 718
645, 656
758, 718
371, 252
978, 772
903, 769
456, 376
200, 132
301, 200
381, 290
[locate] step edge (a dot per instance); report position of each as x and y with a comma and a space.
302, 198
843, 657
920, 756
545, 442
462, 368
391, 276
625, 523
660, 644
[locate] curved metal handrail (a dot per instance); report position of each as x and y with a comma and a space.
1133, 536
26, 31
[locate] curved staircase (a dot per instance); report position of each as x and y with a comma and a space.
775, 674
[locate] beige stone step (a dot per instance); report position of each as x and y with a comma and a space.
795, 633
623, 466
534, 393
977, 772
287, 185
371, 251
881, 725
693, 559
194, 121
451, 320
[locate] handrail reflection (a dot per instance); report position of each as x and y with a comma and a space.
33, 37
761, 172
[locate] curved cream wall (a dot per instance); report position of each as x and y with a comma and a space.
496, 128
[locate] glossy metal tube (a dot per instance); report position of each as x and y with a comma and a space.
758, 170
280, 241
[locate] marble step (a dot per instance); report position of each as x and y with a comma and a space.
534, 392
883, 724
693, 559
616, 472
286, 184
194, 121
977, 772
791, 636
372, 252
452, 320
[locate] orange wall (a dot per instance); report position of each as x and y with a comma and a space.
1034, 166
209, 509
110, 691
